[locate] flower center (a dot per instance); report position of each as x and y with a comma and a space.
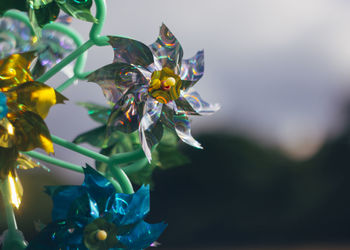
101, 235
165, 85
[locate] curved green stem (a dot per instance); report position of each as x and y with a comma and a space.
136, 166
50, 73
97, 27
122, 178
15, 14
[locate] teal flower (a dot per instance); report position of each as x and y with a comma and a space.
94, 216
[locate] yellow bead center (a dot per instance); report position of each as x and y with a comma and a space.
101, 235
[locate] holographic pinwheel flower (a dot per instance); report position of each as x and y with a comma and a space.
151, 86
94, 216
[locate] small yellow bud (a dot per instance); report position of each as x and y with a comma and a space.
170, 81
101, 235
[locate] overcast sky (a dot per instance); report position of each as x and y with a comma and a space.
279, 68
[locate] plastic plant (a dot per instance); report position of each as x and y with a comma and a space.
149, 97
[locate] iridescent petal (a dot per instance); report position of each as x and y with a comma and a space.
116, 79
183, 106
36, 96
199, 105
130, 51
183, 130
192, 69
168, 50
125, 115
142, 235
25, 162
15, 37
149, 132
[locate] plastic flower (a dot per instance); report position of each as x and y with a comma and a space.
17, 37
28, 102
94, 216
151, 86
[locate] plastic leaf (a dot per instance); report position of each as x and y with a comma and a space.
130, 51
20, 5
97, 112
168, 50
95, 137
116, 79
14, 70
36, 96
42, 12
79, 9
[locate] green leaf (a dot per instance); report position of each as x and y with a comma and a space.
97, 112
79, 9
95, 137
20, 5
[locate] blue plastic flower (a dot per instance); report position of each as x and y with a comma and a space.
3, 105
94, 216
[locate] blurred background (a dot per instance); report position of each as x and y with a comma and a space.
276, 161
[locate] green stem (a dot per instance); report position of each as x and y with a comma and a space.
122, 178
55, 161
15, 14
79, 149
122, 158
76, 53
10, 216
66, 84
97, 27
136, 166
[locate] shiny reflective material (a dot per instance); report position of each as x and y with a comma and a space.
165, 85
14, 70
148, 137
192, 69
3, 105
28, 102
16, 190
116, 79
168, 50
15, 37
131, 51
183, 130
162, 82
199, 105
79, 9
80, 212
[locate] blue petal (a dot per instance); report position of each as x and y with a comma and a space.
3, 105
98, 187
63, 198
59, 235
142, 235
138, 207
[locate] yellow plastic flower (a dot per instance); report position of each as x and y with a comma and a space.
28, 102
